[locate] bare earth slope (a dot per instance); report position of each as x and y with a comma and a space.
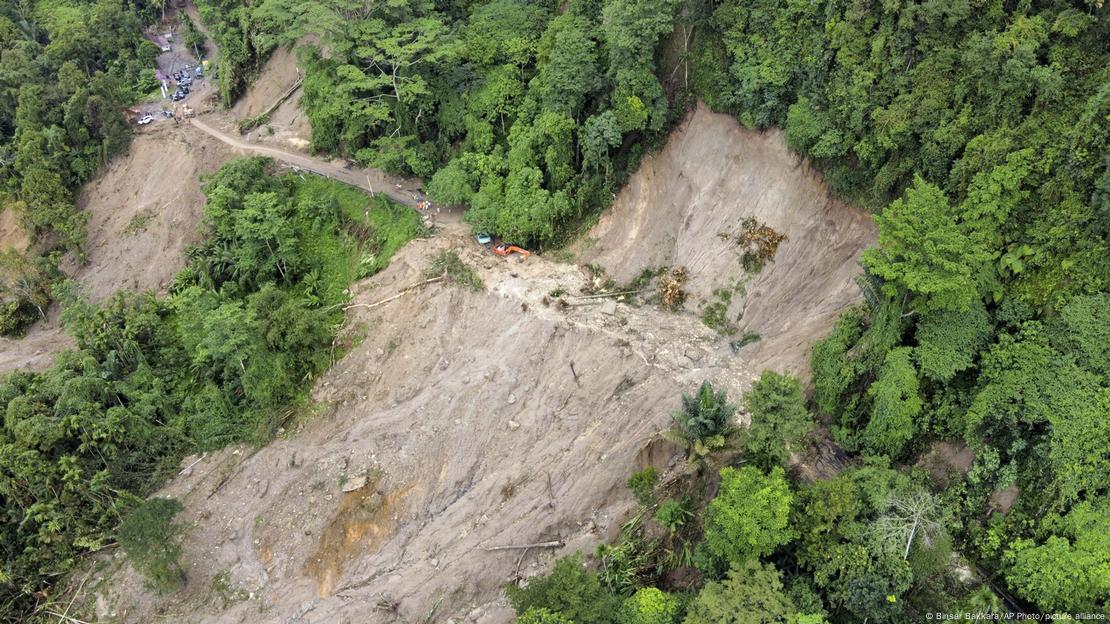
12, 234
145, 208
288, 125
712, 174
34, 351
464, 409
467, 420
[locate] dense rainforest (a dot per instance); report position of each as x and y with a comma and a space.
67, 71
977, 131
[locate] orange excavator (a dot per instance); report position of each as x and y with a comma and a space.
504, 250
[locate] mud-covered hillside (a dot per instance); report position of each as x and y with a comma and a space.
462, 421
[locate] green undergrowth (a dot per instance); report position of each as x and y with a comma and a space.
449, 265
250, 123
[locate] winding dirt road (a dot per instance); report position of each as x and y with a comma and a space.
371, 180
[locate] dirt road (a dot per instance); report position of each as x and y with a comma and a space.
372, 180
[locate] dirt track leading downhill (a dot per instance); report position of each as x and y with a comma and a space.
371, 180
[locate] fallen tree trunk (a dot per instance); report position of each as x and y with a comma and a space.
403, 291
284, 96
551, 544
612, 294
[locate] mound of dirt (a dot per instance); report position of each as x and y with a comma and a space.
145, 208
685, 206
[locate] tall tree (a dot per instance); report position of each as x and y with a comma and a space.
750, 516
751, 593
779, 419
924, 252
896, 406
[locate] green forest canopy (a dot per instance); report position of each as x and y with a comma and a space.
67, 71
977, 131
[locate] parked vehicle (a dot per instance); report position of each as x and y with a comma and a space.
145, 119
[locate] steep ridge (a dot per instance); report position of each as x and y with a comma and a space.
145, 210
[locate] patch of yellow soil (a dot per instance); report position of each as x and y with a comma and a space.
364, 518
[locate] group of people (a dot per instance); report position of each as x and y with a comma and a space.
422, 205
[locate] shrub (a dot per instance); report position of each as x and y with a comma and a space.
705, 414
152, 542
648, 605
24, 292
631, 563
642, 484
449, 264
570, 590
704, 424
540, 615
672, 514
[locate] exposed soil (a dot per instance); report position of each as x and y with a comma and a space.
145, 209
461, 420
12, 233
681, 205
403, 190
947, 461
1002, 500
364, 518
34, 351
288, 126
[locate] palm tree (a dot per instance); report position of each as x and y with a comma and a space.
983, 600
704, 425
911, 518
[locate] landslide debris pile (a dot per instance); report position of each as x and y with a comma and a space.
457, 420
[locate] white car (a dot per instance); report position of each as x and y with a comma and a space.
145, 119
